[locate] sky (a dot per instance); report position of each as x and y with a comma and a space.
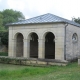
32, 8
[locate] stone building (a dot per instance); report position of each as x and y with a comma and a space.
45, 37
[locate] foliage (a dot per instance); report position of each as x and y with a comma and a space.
77, 20
1, 22
4, 38
3, 54
9, 16
16, 72
1, 19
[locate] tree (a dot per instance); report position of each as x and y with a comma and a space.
1, 19
10, 16
4, 38
77, 20
1, 22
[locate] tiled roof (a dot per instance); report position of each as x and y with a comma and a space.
46, 18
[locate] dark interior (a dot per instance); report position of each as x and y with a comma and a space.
34, 45
19, 45
49, 46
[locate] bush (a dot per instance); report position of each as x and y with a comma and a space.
3, 54
4, 38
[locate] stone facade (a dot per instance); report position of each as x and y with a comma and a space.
58, 29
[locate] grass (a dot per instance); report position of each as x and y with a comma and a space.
3, 54
16, 72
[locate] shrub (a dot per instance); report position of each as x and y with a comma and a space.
3, 54
4, 38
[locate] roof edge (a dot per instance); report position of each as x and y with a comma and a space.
34, 23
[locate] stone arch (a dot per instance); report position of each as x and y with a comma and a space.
19, 44
45, 32
30, 32
49, 39
15, 35
33, 44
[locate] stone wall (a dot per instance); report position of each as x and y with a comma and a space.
72, 48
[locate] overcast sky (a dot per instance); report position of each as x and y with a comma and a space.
31, 8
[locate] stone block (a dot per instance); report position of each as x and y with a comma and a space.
64, 64
33, 62
51, 63
28, 62
42, 63
23, 62
59, 64
12, 61
79, 61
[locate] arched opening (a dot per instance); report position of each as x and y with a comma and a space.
75, 45
74, 37
19, 45
49, 46
34, 45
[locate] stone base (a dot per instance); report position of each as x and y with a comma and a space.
33, 61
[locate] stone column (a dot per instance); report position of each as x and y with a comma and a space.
12, 48
59, 48
26, 48
41, 48
56, 50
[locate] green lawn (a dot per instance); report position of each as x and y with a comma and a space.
16, 72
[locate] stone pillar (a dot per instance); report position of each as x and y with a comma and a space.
56, 50
59, 48
26, 48
12, 48
41, 48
